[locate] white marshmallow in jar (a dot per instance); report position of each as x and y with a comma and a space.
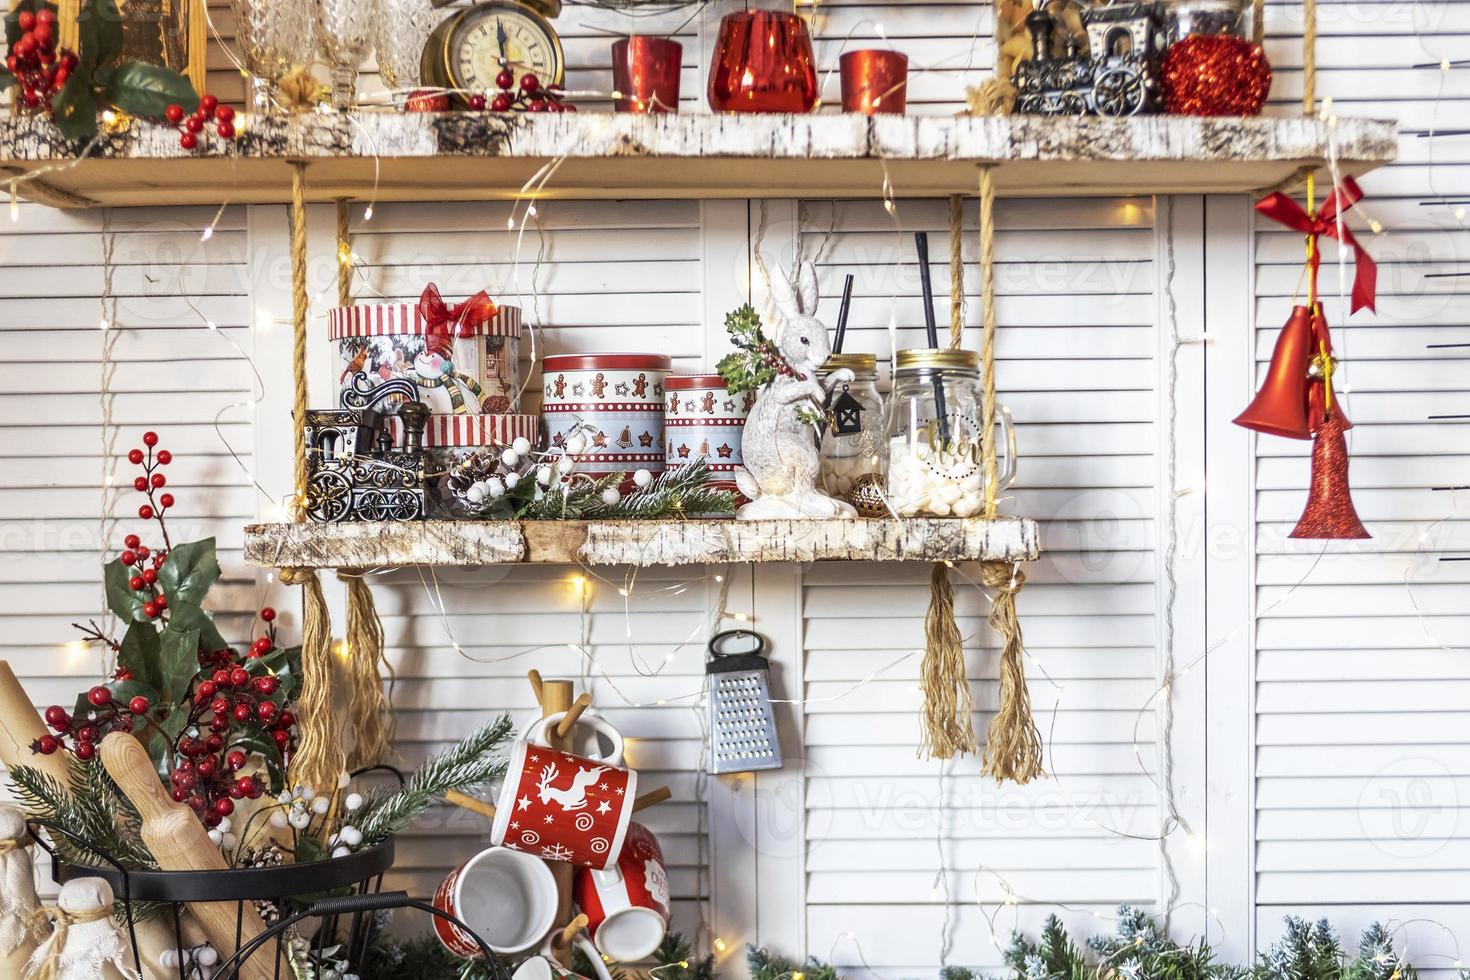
852, 443
612, 405
702, 418
933, 429
456, 370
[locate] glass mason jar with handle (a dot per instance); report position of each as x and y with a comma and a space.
852, 441
933, 428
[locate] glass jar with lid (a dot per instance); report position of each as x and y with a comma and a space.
933, 428
1229, 18
852, 440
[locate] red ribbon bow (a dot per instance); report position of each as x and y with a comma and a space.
1279, 207
474, 312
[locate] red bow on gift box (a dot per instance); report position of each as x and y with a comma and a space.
1327, 221
474, 312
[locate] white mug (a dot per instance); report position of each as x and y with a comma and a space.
592, 737
507, 897
544, 966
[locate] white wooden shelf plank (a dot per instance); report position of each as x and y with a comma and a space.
469, 543
484, 156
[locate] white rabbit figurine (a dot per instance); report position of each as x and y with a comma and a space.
780, 450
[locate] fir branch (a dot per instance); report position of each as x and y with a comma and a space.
91, 820
675, 493
472, 761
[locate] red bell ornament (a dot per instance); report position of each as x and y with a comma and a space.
1280, 407
1330, 514
763, 62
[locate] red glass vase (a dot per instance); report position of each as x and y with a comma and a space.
646, 73
763, 63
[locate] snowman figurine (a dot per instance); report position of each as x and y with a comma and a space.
440, 386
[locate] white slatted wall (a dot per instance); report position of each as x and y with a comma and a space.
1353, 701
1076, 367
1361, 763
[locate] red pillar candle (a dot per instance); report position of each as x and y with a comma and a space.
763, 63
646, 73
874, 81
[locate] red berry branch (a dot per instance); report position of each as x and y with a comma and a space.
192, 124
39, 68
215, 721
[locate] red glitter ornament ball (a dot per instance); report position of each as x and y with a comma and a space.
1215, 75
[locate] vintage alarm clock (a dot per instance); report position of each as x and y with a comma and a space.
466, 51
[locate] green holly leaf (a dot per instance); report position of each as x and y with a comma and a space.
178, 662
121, 598
285, 665
75, 108
161, 743
256, 742
139, 654
99, 36
189, 571
188, 616
147, 90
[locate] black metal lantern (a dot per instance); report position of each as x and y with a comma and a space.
847, 414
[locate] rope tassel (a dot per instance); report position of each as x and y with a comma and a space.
369, 709
319, 759
947, 705
1013, 743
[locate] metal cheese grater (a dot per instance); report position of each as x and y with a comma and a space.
742, 727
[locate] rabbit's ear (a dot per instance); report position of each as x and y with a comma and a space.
806, 279
785, 296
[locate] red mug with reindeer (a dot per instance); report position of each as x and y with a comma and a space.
564, 807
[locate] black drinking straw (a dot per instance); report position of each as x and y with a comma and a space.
842, 315
921, 245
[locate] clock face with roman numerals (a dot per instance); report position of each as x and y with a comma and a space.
490, 34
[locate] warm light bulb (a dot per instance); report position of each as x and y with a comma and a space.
103, 324
207, 234
510, 223
211, 324
719, 578
531, 210
367, 214
719, 945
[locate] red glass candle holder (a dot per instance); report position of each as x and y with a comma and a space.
763, 63
646, 73
874, 81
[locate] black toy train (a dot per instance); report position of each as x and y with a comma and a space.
1115, 76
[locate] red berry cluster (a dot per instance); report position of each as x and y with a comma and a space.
39, 68
771, 358
136, 555
529, 95
192, 124
109, 715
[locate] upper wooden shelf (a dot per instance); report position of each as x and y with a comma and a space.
483, 156
467, 543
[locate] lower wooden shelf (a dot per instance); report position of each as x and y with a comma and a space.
469, 543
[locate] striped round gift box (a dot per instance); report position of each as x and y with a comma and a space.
383, 340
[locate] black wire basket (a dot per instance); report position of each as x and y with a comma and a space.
344, 893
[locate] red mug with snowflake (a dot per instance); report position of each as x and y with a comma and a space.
627, 906
564, 807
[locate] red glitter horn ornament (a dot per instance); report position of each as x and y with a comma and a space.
1330, 514
1214, 75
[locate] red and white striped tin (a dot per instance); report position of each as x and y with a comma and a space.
617, 401
472, 431
701, 418
481, 373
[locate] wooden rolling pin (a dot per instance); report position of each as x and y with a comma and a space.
179, 842
20, 725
